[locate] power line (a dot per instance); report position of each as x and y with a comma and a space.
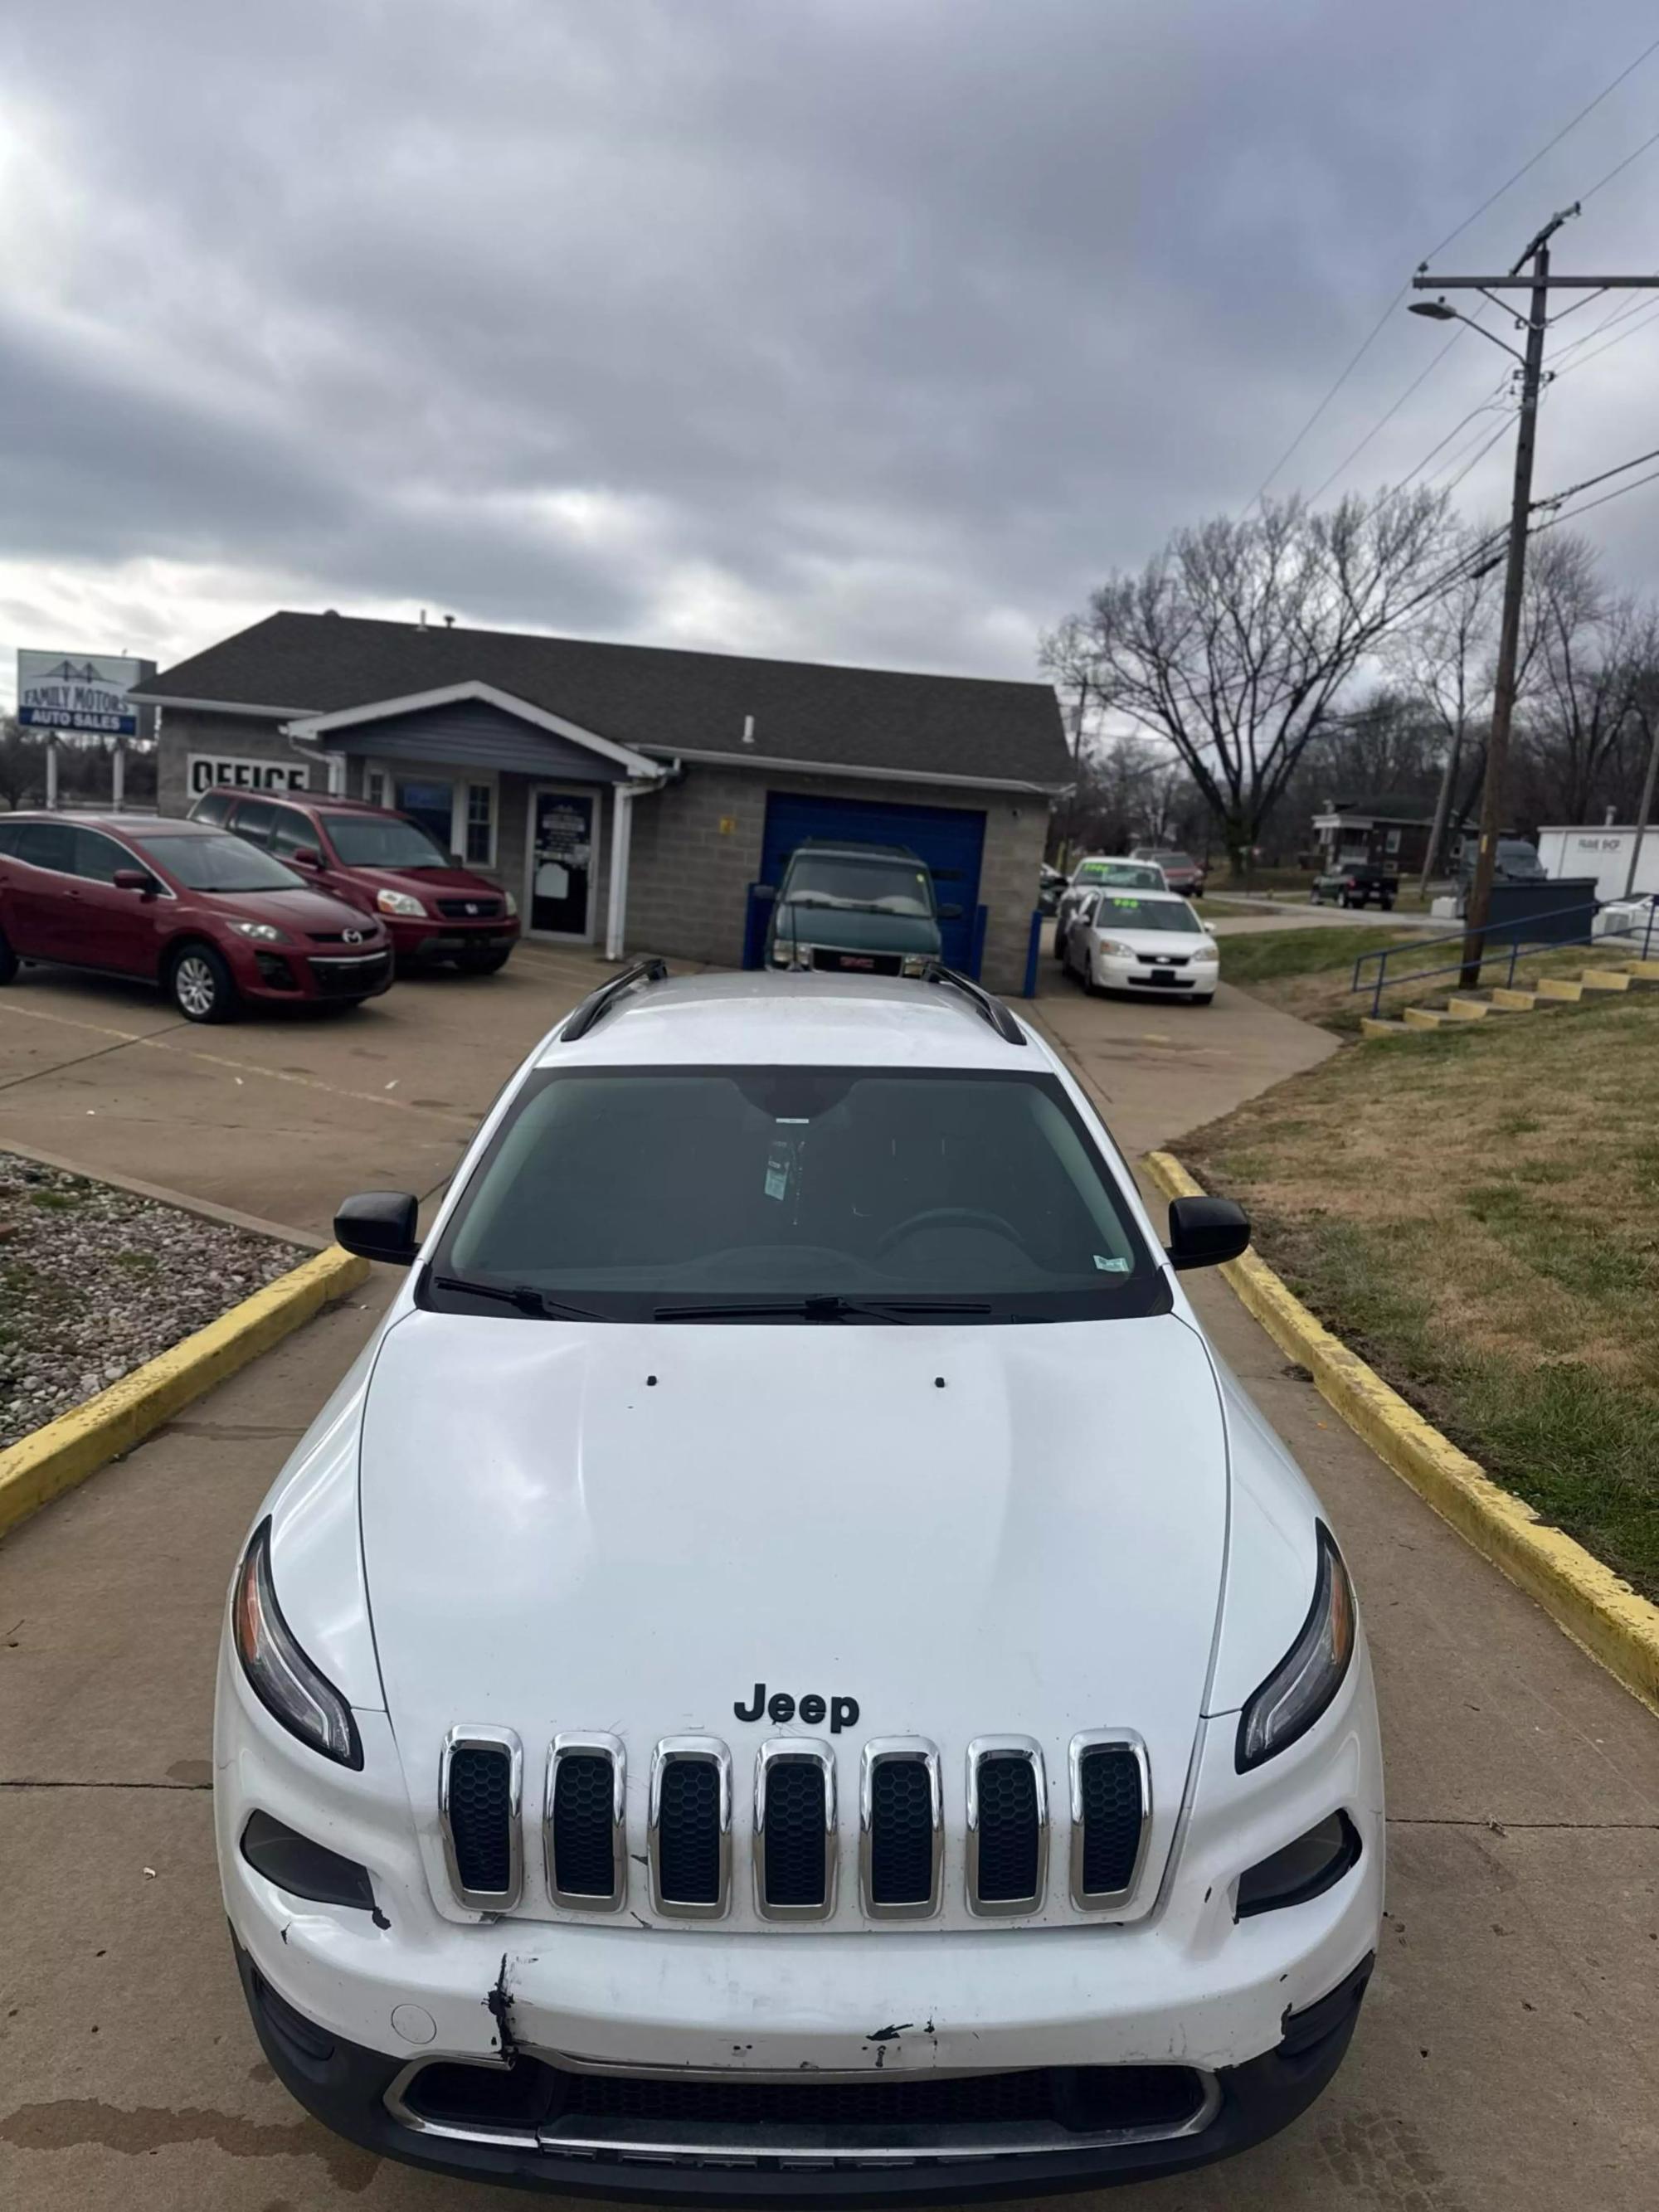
1584, 360
1501, 431
1573, 513
1618, 168
1383, 421
1376, 332
1588, 484
1628, 70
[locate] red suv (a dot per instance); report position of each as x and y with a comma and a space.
203, 915
382, 863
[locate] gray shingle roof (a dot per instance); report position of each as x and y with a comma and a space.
653, 698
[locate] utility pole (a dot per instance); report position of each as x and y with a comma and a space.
1539, 283
1644, 813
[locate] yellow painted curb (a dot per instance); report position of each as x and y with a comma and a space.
79, 1441
1600, 1611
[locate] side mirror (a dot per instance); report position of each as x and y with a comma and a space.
135, 879
1204, 1231
765, 890
380, 1224
950, 914
306, 856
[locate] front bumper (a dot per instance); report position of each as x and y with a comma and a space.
440, 937
296, 972
538, 2139
1113, 974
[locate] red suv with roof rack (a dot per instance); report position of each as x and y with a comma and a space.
209, 919
384, 864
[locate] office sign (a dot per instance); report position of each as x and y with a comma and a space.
84, 694
204, 770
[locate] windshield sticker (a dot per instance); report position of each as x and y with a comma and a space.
777, 1169
1109, 1267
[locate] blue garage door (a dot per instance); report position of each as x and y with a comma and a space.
949, 839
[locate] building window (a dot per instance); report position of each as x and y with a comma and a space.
374, 787
1394, 841
481, 824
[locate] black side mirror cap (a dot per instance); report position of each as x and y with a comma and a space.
1205, 1231
134, 879
766, 891
950, 914
306, 856
380, 1224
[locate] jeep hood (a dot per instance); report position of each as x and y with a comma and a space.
969, 1530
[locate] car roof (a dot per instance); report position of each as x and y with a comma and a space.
314, 802
835, 848
1112, 861
124, 825
791, 1020
1149, 896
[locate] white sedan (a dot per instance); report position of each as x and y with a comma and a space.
1143, 941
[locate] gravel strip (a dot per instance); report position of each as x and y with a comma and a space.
94, 1281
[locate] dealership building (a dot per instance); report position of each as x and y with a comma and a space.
631, 797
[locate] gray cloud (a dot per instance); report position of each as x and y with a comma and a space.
864, 329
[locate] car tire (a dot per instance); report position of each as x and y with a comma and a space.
1060, 948
1387, 905
483, 963
8, 961
199, 984
1086, 977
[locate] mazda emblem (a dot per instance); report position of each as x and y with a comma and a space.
351, 937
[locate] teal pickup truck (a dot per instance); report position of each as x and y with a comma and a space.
855, 909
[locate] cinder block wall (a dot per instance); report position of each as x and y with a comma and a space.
697, 849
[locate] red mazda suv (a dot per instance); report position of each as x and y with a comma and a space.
381, 863
211, 919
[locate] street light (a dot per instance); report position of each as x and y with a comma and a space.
1442, 311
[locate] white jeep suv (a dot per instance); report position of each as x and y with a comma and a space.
788, 1670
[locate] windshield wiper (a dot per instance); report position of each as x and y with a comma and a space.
523, 1295
830, 1306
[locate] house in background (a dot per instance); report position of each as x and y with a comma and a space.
628, 796
1388, 832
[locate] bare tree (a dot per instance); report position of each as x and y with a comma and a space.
1592, 666
1446, 656
1233, 644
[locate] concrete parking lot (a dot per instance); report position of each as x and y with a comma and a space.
1505, 2057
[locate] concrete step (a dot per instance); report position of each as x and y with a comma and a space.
1468, 1010
1420, 1017
1513, 1000
1606, 979
1642, 971
1371, 1025
1559, 988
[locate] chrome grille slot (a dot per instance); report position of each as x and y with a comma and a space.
1007, 1825
585, 1832
901, 1828
690, 1827
480, 1783
1111, 1815
795, 1829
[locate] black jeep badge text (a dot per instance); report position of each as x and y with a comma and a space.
842, 1713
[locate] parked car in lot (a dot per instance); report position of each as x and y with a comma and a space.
1357, 884
211, 920
1101, 871
1181, 871
1143, 941
1515, 862
1051, 884
855, 909
996, 1807
384, 864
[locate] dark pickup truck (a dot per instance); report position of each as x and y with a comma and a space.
1356, 886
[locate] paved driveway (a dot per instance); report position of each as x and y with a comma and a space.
1505, 2062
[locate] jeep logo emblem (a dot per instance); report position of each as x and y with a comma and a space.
843, 1713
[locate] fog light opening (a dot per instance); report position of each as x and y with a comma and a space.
304, 1868
1315, 1862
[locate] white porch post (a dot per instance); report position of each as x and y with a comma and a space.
621, 832
118, 776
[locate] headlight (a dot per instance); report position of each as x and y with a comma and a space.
399, 902
512, 904
1207, 952
281, 1676
264, 931
916, 964
1310, 1675
1113, 950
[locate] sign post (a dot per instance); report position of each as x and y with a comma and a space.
82, 694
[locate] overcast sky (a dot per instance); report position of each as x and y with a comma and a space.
855, 329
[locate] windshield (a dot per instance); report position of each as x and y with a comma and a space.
1115, 913
878, 886
627, 1192
218, 862
383, 840
1132, 875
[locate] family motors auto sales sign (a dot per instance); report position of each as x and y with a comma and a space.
79, 692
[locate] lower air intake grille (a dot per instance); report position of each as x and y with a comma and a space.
901, 1832
481, 1818
689, 1833
1109, 1788
584, 1824
796, 1866
1010, 1829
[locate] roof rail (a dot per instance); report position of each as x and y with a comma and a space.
597, 1004
989, 1009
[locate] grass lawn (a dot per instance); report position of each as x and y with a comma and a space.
1476, 1211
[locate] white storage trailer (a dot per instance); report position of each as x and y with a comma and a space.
1602, 851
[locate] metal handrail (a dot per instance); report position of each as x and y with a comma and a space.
1518, 947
